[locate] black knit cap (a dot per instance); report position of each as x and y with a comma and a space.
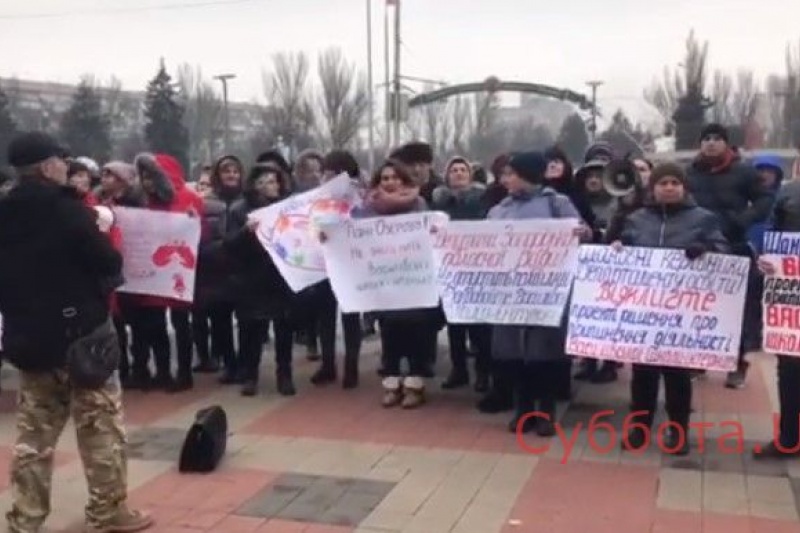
530, 166
667, 169
715, 129
34, 147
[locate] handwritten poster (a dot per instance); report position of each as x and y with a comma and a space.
782, 294
289, 230
506, 272
382, 264
159, 251
654, 306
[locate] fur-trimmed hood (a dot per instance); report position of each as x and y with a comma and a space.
151, 166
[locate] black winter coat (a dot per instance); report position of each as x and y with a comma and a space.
256, 284
54, 261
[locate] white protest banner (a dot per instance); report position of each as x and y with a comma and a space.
782, 294
382, 264
159, 252
288, 230
506, 272
654, 306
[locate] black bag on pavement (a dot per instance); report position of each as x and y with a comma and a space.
206, 441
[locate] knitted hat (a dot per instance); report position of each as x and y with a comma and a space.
122, 171
667, 169
530, 166
714, 129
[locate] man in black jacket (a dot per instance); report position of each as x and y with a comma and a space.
54, 267
720, 182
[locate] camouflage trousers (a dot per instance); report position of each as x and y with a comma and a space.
45, 402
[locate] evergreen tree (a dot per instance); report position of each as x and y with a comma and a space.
8, 127
85, 128
573, 138
622, 135
164, 130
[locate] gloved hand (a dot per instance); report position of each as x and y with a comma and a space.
693, 251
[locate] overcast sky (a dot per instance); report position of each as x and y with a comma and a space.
561, 43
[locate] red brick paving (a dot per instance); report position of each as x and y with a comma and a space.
143, 408
448, 420
579, 497
753, 399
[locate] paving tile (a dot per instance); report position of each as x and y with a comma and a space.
317, 499
724, 493
680, 490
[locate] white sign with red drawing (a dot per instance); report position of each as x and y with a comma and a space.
160, 252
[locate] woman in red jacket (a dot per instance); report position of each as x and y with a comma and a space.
164, 186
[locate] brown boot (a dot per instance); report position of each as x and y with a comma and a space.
392, 393
414, 392
125, 521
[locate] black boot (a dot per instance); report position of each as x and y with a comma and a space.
737, 378
459, 377
350, 380
326, 373
677, 441
285, 383
546, 427
208, 365
482, 382
635, 440
588, 368
250, 387
183, 383
606, 374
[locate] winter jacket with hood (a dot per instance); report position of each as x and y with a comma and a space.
786, 214
214, 265
569, 186
733, 191
755, 235
171, 195
531, 343
53, 259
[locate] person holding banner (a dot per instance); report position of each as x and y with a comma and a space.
165, 189
786, 443
336, 163
260, 292
536, 352
408, 334
462, 199
670, 219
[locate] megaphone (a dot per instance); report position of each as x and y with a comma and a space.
620, 177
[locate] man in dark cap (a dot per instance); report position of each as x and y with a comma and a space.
418, 157
721, 183
54, 263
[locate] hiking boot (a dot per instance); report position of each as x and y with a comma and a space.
125, 521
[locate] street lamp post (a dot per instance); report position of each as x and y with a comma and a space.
371, 94
594, 85
223, 78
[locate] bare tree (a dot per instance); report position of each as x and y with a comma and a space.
289, 112
774, 105
203, 113
343, 99
744, 102
462, 124
791, 109
663, 94
721, 94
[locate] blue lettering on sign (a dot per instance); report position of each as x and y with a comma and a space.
782, 243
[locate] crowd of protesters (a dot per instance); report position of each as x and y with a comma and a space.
720, 203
